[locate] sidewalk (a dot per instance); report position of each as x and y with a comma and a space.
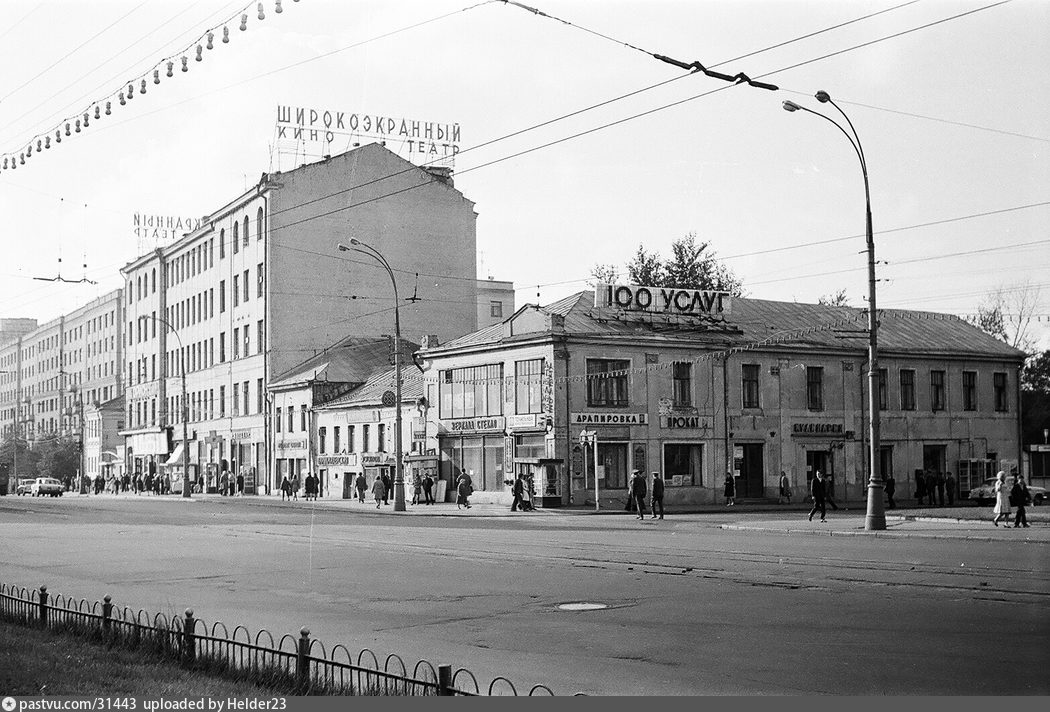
897, 526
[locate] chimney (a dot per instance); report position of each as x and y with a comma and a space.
441, 173
430, 341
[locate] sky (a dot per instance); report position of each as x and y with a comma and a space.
576, 144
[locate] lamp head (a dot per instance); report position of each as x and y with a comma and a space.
343, 248
354, 241
823, 97
791, 106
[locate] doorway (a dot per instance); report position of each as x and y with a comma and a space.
614, 457
820, 460
933, 458
752, 471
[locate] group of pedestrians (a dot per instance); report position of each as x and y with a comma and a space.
136, 483
639, 489
931, 488
230, 486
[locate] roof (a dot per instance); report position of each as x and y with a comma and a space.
371, 392
352, 360
758, 324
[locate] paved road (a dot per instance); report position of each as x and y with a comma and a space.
706, 603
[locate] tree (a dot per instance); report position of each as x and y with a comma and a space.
692, 265
59, 458
837, 299
602, 274
1035, 398
646, 268
27, 459
1006, 313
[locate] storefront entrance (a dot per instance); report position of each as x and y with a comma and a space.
614, 457
933, 458
752, 472
821, 460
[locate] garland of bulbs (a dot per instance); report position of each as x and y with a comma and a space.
95, 110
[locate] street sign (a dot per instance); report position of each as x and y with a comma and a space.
389, 399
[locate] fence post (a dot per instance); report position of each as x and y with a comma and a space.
107, 612
43, 606
445, 681
189, 646
302, 668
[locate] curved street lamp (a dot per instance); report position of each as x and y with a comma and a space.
399, 466
876, 513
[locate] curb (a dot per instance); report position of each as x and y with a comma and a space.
874, 534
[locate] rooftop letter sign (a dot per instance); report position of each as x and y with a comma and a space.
662, 300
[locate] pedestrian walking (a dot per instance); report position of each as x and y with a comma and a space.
428, 488
816, 488
638, 492
308, 491
785, 489
379, 492
920, 487
387, 484
657, 497
361, 485
1019, 495
518, 490
1002, 499
464, 488
940, 489
890, 487
829, 490
931, 488
949, 486
730, 489
240, 485
224, 481
296, 484
417, 487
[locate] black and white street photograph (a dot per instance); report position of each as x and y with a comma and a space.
561, 348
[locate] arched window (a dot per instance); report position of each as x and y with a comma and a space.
245, 230
153, 280
259, 224
236, 237
222, 243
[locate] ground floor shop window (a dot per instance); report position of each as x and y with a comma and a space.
481, 456
685, 462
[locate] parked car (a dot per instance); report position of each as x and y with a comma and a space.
25, 485
985, 492
46, 486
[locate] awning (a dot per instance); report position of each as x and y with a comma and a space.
175, 458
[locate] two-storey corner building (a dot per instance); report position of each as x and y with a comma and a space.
355, 433
297, 395
103, 446
262, 285
702, 385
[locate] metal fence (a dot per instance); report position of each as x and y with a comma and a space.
301, 666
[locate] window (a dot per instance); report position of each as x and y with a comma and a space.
749, 385
245, 230
883, 389
259, 217
244, 393
335, 439
527, 389
236, 401
222, 296
907, 389
496, 309
682, 383
222, 347
936, 390
364, 438
236, 237
999, 387
260, 336
246, 343
381, 437
607, 383
684, 460
349, 438
291, 419
222, 243
247, 286
322, 433
259, 280
236, 342
302, 418
969, 390
277, 420
236, 292
260, 396
470, 392
815, 387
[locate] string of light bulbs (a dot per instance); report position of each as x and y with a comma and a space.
104, 106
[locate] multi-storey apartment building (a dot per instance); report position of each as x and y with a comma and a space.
262, 285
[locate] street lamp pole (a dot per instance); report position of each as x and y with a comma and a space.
399, 466
876, 513
185, 411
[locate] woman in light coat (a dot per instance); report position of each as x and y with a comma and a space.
1002, 499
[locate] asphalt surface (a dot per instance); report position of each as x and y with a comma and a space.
729, 600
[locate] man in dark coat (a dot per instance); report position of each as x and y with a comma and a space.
1018, 495
428, 489
658, 495
949, 486
816, 488
890, 487
386, 486
940, 489
931, 488
638, 492
518, 489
